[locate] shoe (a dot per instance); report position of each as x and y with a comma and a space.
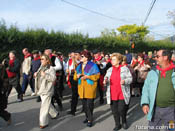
85, 121
71, 113
33, 94
117, 128
125, 126
56, 116
101, 101
137, 95
19, 100
9, 121
23, 94
89, 124
42, 127
132, 95
38, 99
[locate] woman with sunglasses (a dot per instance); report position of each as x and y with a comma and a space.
44, 80
87, 73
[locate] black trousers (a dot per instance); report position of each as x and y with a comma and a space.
14, 82
100, 91
88, 106
74, 101
56, 97
119, 111
4, 114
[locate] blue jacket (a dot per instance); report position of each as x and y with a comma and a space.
150, 89
35, 65
129, 58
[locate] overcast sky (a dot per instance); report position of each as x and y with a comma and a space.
61, 16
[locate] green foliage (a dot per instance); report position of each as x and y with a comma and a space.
133, 32
108, 33
13, 39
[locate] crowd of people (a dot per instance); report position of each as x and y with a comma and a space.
121, 76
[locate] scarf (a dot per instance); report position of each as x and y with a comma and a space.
9, 73
28, 55
141, 63
163, 71
124, 65
90, 69
70, 62
68, 80
98, 58
37, 58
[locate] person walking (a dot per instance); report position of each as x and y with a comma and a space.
74, 84
56, 64
13, 72
44, 85
141, 70
26, 65
87, 73
158, 95
3, 97
118, 79
36, 63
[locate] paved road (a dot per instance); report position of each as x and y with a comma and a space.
25, 116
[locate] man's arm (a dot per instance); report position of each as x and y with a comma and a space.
58, 65
145, 95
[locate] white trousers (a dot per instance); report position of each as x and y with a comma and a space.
46, 109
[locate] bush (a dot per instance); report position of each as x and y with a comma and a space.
13, 39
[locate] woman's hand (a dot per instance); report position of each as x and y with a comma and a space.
35, 74
78, 76
105, 80
85, 77
122, 82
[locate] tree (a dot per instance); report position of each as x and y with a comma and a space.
133, 32
108, 33
149, 38
171, 15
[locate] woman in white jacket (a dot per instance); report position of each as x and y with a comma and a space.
118, 79
44, 80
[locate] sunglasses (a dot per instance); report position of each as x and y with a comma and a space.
157, 56
42, 59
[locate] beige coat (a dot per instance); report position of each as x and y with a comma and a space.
44, 85
26, 65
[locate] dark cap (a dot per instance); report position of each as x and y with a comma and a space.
77, 51
95, 51
35, 52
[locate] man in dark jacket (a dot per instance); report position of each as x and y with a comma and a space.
13, 71
36, 62
3, 97
128, 56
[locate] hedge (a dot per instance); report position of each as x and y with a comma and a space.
13, 39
